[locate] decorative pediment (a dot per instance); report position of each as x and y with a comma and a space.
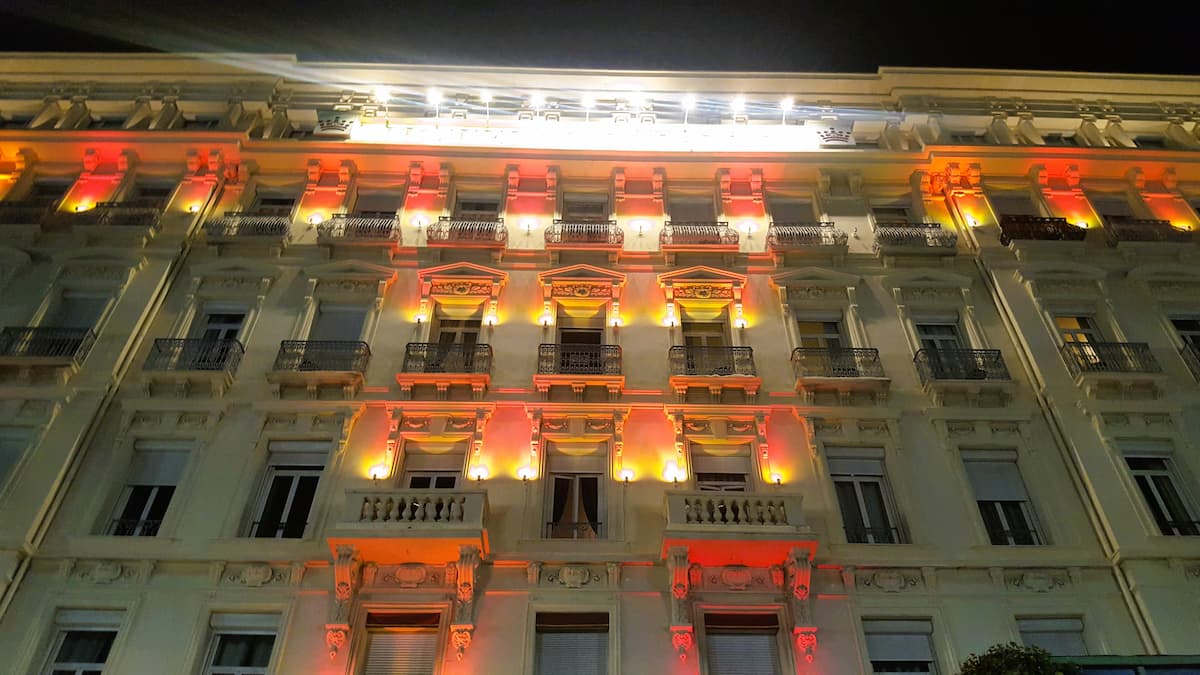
928, 287
814, 286
702, 283
233, 279
97, 267
349, 278
1169, 282
1063, 280
581, 283
461, 279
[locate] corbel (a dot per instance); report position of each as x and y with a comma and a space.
618, 178
463, 626
679, 573
656, 184
798, 576
346, 568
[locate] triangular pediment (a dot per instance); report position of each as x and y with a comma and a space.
926, 278
462, 271
701, 274
1062, 271
814, 276
576, 273
350, 269
235, 268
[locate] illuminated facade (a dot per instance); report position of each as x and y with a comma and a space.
322, 368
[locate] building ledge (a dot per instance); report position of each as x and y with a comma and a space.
578, 383
478, 382
412, 526
715, 384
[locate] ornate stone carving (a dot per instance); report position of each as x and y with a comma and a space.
888, 581
460, 639
346, 566
335, 639
406, 576
823, 425
932, 295
574, 576
348, 286
415, 423
254, 575
614, 574
806, 642
464, 579
582, 289
682, 640
533, 572
1039, 581
680, 577
104, 572
703, 292
737, 577
799, 579
1066, 288
697, 426
461, 288
280, 421
959, 428
96, 272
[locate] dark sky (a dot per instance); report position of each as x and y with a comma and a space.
832, 35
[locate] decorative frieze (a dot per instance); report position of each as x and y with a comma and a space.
407, 576
257, 575
1035, 581
888, 580
105, 572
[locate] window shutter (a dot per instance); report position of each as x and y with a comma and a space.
299, 453
704, 463
898, 640
750, 653
1060, 637
228, 621
89, 618
158, 463
593, 462
574, 653
402, 653
338, 322
995, 480
421, 461
855, 467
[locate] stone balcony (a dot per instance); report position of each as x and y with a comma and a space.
742, 528
844, 375
315, 363
1115, 369
360, 230
977, 377
453, 232
443, 366
392, 525
579, 367
184, 363
714, 369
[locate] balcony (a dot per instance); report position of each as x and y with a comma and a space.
797, 238
735, 528
360, 230
714, 369
578, 367
976, 377
129, 219
316, 363
585, 236
187, 361
412, 526
843, 373
1114, 369
440, 366
47, 346
1122, 230
697, 237
904, 238
1038, 228
468, 233
240, 227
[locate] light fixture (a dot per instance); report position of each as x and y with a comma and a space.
485, 96
739, 323
972, 222
489, 320
433, 96
689, 102
589, 101
419, 221
525, 473
383, 93
747, 226
194, 208
640, 225
673, 473
316, 219
777, 478
479, 473
537, 100
1081, 225
786, 103
529, 225
626, 475
616, 322
79, 208
545, 320
636, 100
419, 318
738, 104
378, 472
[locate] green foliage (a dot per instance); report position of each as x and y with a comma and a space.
1014, 659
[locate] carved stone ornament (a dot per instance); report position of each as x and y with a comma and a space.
1036, 582
336, 638
582, 290
682, 640
533, 572
1066, 288
806, 642
348, 286
933, 295
104, 572
254, 575
461, 288
737, 577
460, 639
574, 576
888, 581
465, 569
703, 292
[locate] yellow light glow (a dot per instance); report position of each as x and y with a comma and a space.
316, 219
626, 475
546, 320
1081, 225
616, 322
787, 102
479, 473
382, 93
689, 102
972, 222
419, 318
526, 473
640, 226
194, 208
739, 103
433, 96
777, 478
485, 96
739, 323
82, 206
529, 224
747, 226
672, 473
378, 472
418, 220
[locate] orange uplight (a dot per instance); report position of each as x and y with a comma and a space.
378, 472
419, 220
419, 318
193, 208
526, 473
626, 475
490, 320
747, 226
640, 226
545, 320
316, 219
479, 473
617, 322
673, 473
776, 478
82, 206
972, 221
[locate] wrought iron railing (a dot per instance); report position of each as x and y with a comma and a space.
303, 356
24, 213
913, 235
1117, 230
448, 230
579, 233
46, 343
873, 535
431, 357
697, 233
960, 364
1191, 354
559, 359
1109, 357
691, 360
1037, 227
796, 236
575, 530
141, 214
360, 228
820, 362
247, 224
190, 354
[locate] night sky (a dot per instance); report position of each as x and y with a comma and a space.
829, 36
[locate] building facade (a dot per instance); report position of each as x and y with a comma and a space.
328, 368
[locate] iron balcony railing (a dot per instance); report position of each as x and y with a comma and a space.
1037, 227
246, 224
821, 362
360, 228
431, 357
575, 530
143, 214
70, 345
696, 233
25, 213
190, 354
474, 231
580, 233
1109, 357
1191, 354
1117, 230
691, 360
558, 359
305, 356
798, 236
913, 235
960, 364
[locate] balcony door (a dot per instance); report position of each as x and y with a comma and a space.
579, 343
585, 208
338, 323
454, 343
1082, 334
708, 345
219, 325
78, 310
575, 501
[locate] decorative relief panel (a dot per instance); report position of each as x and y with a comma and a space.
256, 575
582, 290
703, 292
408, 575
108, 571
888, 580
738, 578
461, 288
851, 430
1065, 288
1035, 581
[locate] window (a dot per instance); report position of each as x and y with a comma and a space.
48, 192
575, 330
940, 335
468, 207
156, 194
429, 467
1000, 494
820, 334
967, 138
1188, 330
293, 471
1081, 329
742, 644
1150, 141
274, 205
1013, 203
900, 646
1111, 205
1155, 479
1060, 637
1059, 138
83, 642
571, 643
575, 480
77, 310
378, 204
692, 210
792, 211
892, 213
153, 475
452, 331
220, 322
338, 323
721, 472
402, 643
13, 441
584, 207
241, 644
864, 499
705, 333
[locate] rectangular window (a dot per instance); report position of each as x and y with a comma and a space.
721, 473
378, 204
220, 321
431, 470
1000, 494
83, 641
820, 332
575, 478
892, 213
1155, 478
151, 194
900, 646
338, 323
274, 205
1059, 138
692, 210
571, 643
457, 331
792, 211
939, 335
1081, 329
154, 474
402, 642
585, 207
241, 644
1013, 203
294, 470
1060, 637
1111, 205
13, 441
864, 499
705, 333
742, 644
1188, 330
580, 330
47, 192
476, 207
78, 310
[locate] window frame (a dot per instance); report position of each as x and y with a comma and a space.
787, 663
360, 633
611, 607
62, 620
242, 622
1028, 508
888, 493
263, 479
1017, 621
187, 446
1175, 478
935, 665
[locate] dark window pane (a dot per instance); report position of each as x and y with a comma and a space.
297, 517
85, 646
851, 517
244, 650
272, 513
